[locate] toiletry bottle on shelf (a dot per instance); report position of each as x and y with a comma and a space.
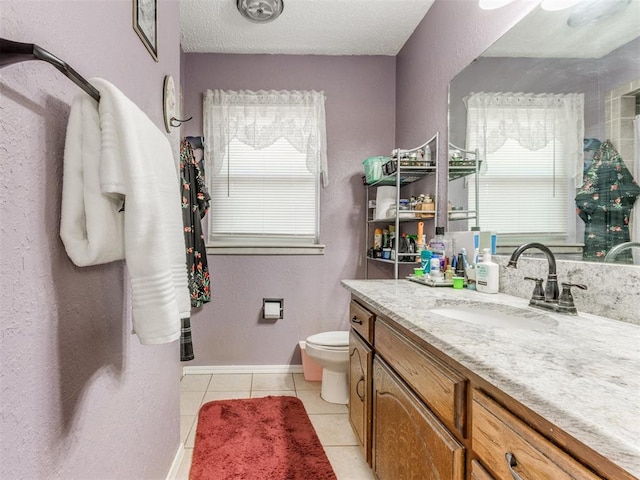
438, 244
459, 271
377, 238
448, 273
435, 274
487, 274
427, 156
425, 260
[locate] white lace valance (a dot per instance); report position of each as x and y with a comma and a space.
533, 120
260, 118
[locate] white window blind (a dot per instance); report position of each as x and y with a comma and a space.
523, 191
267, 193
265, 154
531, 146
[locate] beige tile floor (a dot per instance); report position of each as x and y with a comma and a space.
330, 421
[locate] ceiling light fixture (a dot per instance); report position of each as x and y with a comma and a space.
260, 11
493, 4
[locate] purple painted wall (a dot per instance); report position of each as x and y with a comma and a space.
363, 103
593, 77
81, 398
452, 34
360, 114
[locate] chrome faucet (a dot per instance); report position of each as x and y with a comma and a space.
549, 298
613, 253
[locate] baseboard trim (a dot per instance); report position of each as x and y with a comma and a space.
217, 369
175, 465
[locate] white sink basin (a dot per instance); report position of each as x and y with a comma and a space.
498, 316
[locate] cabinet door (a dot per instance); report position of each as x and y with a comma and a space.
360, 357
409, 442
478, 472
437, 385
511, 449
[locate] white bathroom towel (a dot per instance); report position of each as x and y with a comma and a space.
116, 157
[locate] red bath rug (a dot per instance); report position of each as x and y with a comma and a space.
268, 438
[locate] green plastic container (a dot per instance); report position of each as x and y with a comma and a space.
373, 168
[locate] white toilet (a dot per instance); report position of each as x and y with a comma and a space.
331, 351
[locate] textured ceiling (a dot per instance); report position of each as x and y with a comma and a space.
545, 34
317, 27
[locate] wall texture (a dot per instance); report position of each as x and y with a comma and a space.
360, 116
593, 77
365, 97
80, 397
452, 35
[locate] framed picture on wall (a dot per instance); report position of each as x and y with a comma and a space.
145, 23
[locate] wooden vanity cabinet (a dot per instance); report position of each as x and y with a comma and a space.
360, 358
510, 449
409, 442
431, 418
360, 364
478, 472
441, 388
361, 321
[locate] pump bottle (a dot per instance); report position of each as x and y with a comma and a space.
487, 274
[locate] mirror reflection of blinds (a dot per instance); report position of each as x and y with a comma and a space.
523, 191
264, 193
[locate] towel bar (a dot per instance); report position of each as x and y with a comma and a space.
15, 52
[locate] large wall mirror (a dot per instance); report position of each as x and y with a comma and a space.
553, 107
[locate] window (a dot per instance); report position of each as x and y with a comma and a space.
532, 162
266, 154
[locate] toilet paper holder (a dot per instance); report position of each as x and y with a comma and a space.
272, 308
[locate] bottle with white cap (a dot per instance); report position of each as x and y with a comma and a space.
487, 274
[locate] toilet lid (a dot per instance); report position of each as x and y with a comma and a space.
330, 339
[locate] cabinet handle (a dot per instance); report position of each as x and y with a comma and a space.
355, 320
512, 462
361, 381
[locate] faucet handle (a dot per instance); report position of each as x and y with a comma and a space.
538, 291
566, 299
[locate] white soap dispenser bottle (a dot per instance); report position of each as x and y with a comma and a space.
487, 274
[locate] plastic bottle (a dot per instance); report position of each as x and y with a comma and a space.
435, 273
438, 245
448, 273
427, 155
425, 260
377, 239
487, 274
460, 271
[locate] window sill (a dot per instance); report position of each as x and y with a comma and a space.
277, 249
507, 248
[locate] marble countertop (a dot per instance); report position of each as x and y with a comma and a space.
582, 373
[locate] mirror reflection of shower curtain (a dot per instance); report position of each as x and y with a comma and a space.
635, 215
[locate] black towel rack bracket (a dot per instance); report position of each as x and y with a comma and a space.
15, 52
176, 122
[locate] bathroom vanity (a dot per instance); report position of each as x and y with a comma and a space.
454, 384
